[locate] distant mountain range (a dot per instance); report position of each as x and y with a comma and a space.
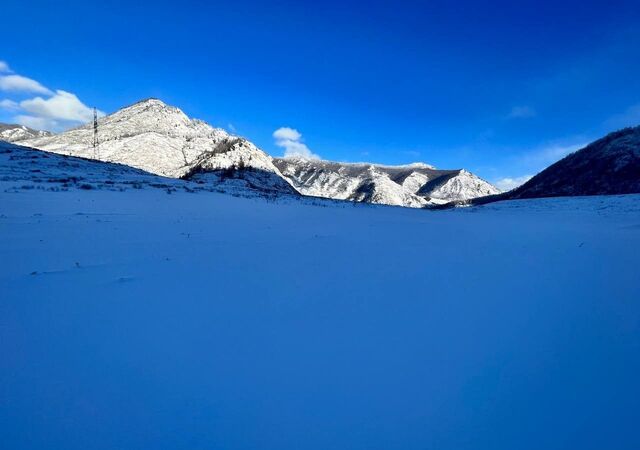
17, 133
415, 185
162, 140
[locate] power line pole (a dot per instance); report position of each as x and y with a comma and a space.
96, 155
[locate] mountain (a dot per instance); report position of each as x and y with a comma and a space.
16, 133
413, 185
610, 165
162, 140
24, 169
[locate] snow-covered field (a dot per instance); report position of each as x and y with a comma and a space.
142, 320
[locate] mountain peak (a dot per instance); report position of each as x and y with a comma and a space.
147, 104
151, 101
161, 139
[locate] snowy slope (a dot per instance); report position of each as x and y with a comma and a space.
161, 139
458, 185
141, 320
15, 133
24, 168
411, 185
376, 187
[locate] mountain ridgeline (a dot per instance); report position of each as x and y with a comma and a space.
17, 133
608, 166
415, 185
162, 140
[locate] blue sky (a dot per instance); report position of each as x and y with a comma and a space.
502, 89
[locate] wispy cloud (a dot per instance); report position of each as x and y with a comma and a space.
9, 105
18, 83
534, 161
506, 184
37, 123
548, 154
290, 140
629, 118
521, 112
49, 110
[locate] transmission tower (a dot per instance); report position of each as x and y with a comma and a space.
95, 134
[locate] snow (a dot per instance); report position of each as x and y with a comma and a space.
412, 185
463, 186
144, 320
15, 133
23, 168
161, 139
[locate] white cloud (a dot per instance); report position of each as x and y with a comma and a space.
521, 112
49, 110
9, 105
62, 105
38, 123
18, 83
291, 141
286, 133
231, 127
506, 184
629, 118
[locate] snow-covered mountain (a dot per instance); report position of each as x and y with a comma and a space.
24, 168
16, 133
162, 140
413, 185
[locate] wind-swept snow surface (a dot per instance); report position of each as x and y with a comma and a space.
141, 320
